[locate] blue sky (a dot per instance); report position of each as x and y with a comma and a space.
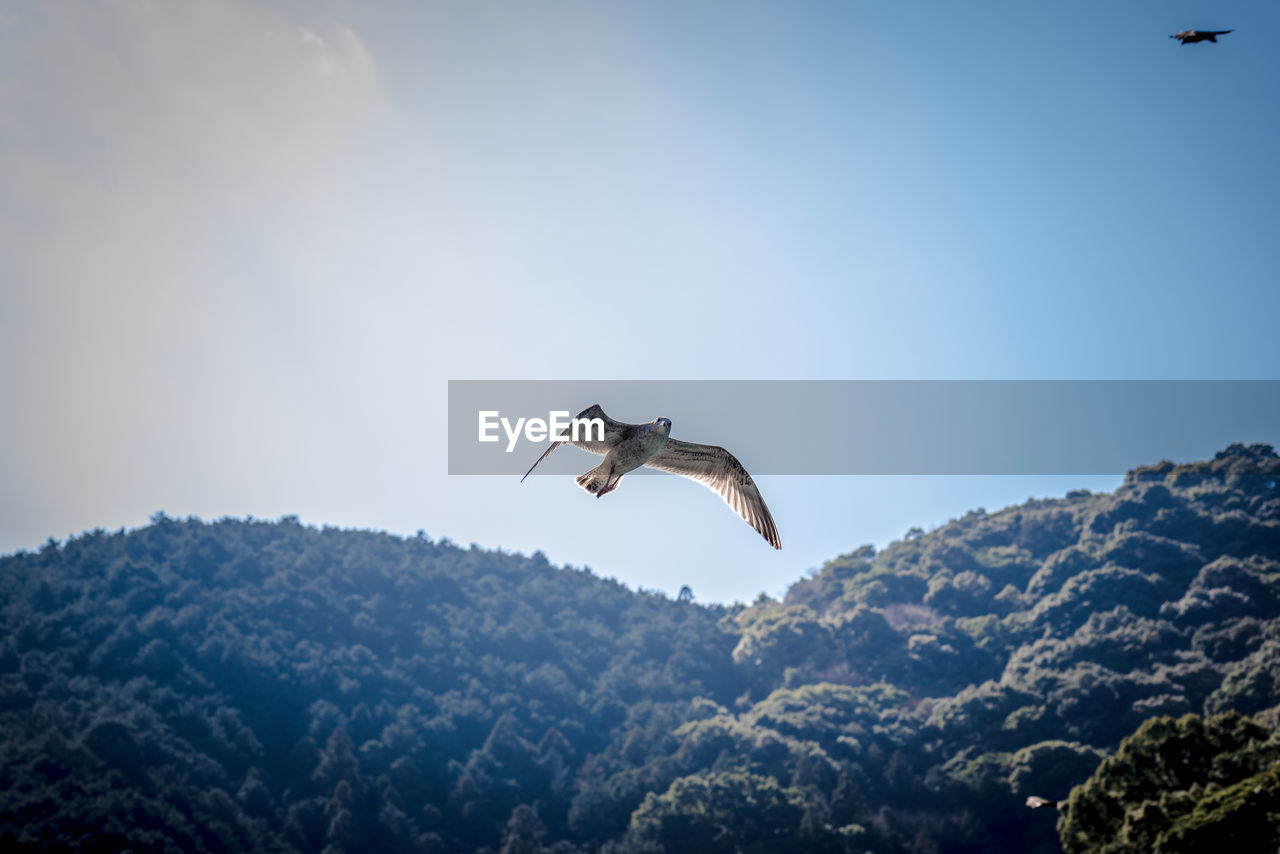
244, 246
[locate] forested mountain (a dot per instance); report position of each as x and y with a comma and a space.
266, 686
1182, 786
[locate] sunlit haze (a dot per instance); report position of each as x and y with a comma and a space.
245, 245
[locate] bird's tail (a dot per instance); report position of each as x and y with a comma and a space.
599, 481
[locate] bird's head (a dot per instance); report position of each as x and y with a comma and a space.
664, 424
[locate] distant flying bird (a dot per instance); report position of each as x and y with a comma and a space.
1191, 36
627, 447
1036, 802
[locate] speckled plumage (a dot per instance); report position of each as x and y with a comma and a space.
627, 447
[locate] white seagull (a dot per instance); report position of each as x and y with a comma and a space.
627, 447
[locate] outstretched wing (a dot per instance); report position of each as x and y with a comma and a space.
588, 439
1190, 36
719, 471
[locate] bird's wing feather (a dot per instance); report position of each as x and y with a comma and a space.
719, 471
614, 432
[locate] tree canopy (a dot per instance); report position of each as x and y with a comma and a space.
269, 686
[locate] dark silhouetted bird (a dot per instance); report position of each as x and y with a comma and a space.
1190, 36
627, 447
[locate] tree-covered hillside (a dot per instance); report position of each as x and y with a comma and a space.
1181, 786
248, 685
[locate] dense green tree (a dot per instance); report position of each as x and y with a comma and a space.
728, 811
266, 686
1181, 785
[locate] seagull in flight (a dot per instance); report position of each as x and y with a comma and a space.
1193, 36
626, 447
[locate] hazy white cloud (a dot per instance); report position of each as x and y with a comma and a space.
171, 174
244, 244
236, 275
